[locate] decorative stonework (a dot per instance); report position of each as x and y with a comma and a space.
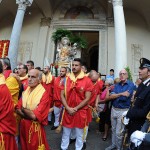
95, 7
79, 25
45, 21
137, 53
22, 4
25, 51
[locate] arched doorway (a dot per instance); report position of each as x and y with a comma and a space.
94, 58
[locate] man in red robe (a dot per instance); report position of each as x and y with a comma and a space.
30, 64
93, 75
100, 82
23, 74
7, 118
6, 67
48, 84
34, 108
75, 98
58, 86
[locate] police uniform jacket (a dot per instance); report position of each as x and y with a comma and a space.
140, 108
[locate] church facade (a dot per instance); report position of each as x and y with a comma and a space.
98, 21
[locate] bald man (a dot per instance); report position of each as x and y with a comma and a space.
93, 75
34, 100
121, 98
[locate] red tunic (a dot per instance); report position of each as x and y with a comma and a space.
41, 113
58, 86
94, 93
49, 88
101, 83
25, 84
75, 95
7, 119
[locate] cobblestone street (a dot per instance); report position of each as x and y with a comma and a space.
94, 141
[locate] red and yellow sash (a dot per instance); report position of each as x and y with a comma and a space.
47, 78
2, 79
30, 100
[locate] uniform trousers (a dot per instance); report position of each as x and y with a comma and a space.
66, 138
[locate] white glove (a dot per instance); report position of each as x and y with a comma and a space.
124, 114
125, 120
138, 135
137, 142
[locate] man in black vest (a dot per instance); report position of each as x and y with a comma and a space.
141, 104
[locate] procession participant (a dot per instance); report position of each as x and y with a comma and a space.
6, 67
58, 86
84, 69
30, 64
100, 82
23, 74
48, 84
75, 98
7, 118
92, 103
33, 108
13, 83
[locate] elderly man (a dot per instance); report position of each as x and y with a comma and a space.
7, 118
34, 108
6, 67
75, 98
93, 75
121, 97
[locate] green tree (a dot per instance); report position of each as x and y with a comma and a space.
129, 73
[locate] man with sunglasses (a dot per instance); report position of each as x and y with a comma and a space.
121, 98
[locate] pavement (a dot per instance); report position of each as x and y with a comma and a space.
94, 139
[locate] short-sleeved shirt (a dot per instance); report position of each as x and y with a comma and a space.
123, 102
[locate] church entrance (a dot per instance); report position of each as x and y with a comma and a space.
94, 58
90, 54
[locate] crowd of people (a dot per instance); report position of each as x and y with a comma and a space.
29, 97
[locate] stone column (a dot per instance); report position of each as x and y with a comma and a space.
42, 42
16, 31
120, 36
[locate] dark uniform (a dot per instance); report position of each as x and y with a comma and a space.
141, 106
145, 145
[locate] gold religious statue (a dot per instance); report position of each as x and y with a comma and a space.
63, 51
